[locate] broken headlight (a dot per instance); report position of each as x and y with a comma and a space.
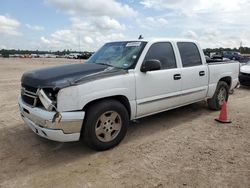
47, 98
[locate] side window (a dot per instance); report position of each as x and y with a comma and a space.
162, 51
190, 55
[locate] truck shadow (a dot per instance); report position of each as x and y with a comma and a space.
22, 151
166, 120
244, 87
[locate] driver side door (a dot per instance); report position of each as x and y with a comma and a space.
159, 90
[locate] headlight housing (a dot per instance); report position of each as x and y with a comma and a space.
46, 99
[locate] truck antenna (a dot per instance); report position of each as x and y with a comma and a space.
140, 37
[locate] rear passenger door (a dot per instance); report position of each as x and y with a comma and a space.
194, 74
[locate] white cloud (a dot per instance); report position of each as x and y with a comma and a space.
61, 39
229, 11
196, 5
213, 38
86, 25
44, 40
94, 7
107, 23
160, 4
34, 27
191, 34
101, 39
103, 23
87, 33
88, 40
9, 26
64, 35
152, 22
212, 32
214, 23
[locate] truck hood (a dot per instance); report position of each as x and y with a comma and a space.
67, 75
245, 69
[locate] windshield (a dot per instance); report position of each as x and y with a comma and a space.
119, 54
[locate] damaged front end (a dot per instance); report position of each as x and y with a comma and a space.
38, 108
37, 97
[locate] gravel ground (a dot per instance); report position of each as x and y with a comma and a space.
184, 147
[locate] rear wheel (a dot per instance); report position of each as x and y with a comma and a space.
220, 96
106, 124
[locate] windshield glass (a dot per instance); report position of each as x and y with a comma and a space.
119, 54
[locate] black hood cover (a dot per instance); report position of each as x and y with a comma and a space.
66, 75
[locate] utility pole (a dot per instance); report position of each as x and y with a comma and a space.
241, 46
79, 44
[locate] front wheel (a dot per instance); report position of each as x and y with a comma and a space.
220, 96
106, 124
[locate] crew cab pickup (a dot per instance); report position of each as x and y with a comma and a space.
122, 81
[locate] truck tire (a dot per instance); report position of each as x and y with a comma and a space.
105, 125
220, 96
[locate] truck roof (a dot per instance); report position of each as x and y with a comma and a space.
159, 40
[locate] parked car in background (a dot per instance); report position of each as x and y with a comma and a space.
216, 55
73, 55
85, 55
233, 55
207, 58
210, 60
50, 55
35, 55
244, 76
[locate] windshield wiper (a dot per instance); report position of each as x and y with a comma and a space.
105, 64
109, 65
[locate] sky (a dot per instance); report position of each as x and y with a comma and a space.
88, 24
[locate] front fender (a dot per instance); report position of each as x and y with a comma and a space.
76, 97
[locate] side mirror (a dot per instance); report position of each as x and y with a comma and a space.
151, 65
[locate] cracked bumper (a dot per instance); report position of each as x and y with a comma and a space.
40, 122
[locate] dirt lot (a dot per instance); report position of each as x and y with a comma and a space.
179, 148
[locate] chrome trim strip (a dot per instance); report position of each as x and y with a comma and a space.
30, 94
194, 92
173, 96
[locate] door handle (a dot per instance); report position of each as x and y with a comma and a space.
202, 73
177, 76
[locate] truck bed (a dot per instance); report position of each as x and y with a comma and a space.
215, 61
222, 69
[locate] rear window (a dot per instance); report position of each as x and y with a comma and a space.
190, 55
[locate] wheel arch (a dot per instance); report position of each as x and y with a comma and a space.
228, 80
120, 98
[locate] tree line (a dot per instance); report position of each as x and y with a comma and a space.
242, 50
7, 53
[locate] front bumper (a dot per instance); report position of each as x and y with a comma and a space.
244, 79
41, 122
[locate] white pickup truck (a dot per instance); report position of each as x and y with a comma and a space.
122, 81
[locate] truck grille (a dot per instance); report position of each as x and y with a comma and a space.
29, 95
